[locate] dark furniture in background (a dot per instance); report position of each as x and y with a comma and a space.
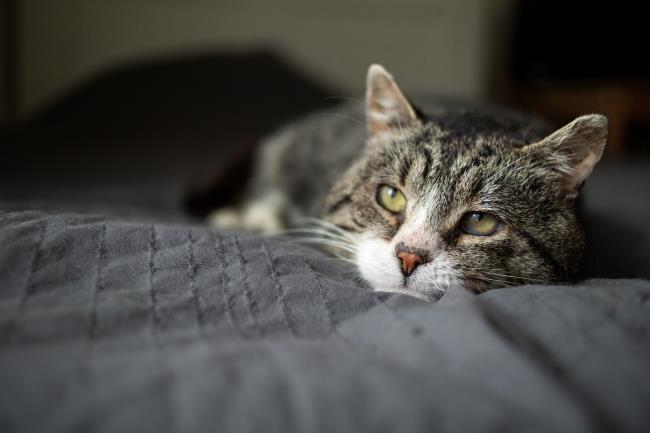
154, 130
572, 58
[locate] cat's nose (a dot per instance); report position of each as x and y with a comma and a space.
410, 261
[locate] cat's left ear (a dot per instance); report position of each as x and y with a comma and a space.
575, 149
387, 109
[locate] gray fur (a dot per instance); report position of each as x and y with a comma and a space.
452, 158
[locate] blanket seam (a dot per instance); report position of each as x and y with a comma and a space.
28, 283
92, 331
152, 294
221, 256
248, 295
278, 285
193, 286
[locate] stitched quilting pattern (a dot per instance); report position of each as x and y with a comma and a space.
108, 325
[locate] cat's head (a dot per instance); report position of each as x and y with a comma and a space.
431, 206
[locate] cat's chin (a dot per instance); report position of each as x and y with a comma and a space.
379, 266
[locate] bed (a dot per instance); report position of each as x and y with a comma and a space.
120, 313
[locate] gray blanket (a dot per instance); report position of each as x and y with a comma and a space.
112, 326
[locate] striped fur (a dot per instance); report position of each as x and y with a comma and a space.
448, 159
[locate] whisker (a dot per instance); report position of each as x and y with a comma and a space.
494, 280
401, 130
515, 277
320, 234
320, 221
332, 243
328, 225
518, 277
480, 275
343, 116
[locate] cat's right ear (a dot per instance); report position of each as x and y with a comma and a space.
387, 109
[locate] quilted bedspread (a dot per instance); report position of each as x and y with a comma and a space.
119, 314
114, 326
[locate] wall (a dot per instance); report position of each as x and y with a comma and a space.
4, 64
431, 45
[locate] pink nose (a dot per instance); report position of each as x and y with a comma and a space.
410, 261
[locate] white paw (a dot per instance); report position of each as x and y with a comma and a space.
259, 216
226, 218
264, 214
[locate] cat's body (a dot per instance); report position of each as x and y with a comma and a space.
420, 200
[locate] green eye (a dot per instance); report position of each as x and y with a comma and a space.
391, 199
479, 223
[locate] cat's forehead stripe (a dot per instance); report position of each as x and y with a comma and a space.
405, 169
428, 161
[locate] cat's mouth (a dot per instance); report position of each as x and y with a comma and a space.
379, 266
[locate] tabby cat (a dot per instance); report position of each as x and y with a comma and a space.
421, 200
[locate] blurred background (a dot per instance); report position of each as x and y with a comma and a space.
434, 46
129, 102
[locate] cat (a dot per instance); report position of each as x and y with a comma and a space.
422, 200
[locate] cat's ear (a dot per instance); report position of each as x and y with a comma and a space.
575, 149
387, 109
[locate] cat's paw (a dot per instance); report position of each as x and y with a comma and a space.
256, 217
261, 216
226, 218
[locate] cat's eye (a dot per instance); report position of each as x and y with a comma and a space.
479, 223
391, 199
